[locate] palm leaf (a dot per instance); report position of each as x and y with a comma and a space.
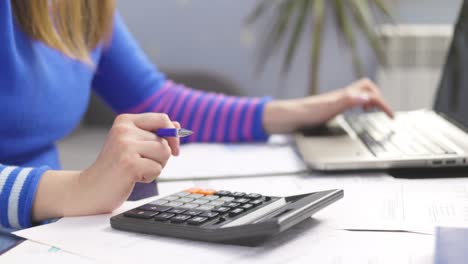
316, 48
384, 9
361, 14
347, 31
259, 10
285, 11
363, 17
303, 6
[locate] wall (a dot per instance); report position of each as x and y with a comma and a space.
205, 35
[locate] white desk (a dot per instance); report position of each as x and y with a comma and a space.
316, 240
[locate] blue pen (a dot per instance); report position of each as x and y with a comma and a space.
173, 132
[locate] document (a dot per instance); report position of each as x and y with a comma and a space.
307, 242
414, 206
32, 252
198, 161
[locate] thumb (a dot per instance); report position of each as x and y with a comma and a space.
176, 124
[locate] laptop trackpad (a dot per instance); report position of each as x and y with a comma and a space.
330, 143
323, 130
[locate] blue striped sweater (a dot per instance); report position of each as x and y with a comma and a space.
43, 95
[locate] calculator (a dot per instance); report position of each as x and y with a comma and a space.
223, 216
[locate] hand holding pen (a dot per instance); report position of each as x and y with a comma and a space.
136, 150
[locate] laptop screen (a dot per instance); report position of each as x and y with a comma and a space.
452, 96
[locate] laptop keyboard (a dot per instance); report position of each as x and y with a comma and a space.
387, 138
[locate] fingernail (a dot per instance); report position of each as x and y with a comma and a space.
363, 97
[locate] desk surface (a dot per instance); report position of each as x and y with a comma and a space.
318, 240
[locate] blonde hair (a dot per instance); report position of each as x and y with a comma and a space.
74, 27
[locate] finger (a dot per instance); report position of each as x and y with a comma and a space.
150, 170
377, 101
163, 121
151, 121
144, 135
175, 142
158, 151
367, 108
370, 86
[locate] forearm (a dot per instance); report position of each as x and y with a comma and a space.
55, 195
286, 116
74, 193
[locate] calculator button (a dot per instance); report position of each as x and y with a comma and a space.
226, 199
163, 217
155, 208
198, 220
221, 209
159, 202
216, 203
232, 205
185, 199
171, 198
236, 211
211, 197
238, 194
177, 211
140, 214
174, 204
206, 207
253, 196
223, 193
241, 200
201, 201
194, 190
256, 202
193, 212
247, 206
180, 218
195, 196
189, 206
182, 194
209, 215
207, 192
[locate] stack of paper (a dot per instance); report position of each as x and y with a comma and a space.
414, 206
198, 161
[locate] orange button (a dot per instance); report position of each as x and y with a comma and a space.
207, 192
194, 190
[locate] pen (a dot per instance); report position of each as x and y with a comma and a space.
173, 132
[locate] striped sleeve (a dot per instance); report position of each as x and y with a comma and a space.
127, 80
18, 187
213, 117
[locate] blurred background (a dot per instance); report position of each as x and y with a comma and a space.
206, 44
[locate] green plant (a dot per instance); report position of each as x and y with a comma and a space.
296, 14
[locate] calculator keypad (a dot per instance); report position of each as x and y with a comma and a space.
197, 206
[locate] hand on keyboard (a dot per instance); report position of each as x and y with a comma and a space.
286, 116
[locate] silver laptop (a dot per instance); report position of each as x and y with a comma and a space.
417, 139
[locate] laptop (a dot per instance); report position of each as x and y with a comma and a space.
425, 138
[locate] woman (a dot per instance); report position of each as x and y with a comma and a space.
53, 52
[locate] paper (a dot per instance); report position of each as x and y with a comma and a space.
305, 243
198, 161
313, 240
415, 206
31, 252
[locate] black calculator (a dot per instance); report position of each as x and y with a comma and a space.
223, 216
